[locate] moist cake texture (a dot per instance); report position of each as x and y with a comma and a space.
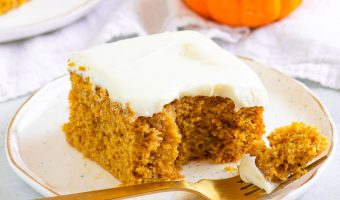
7, 5
291, 149
155, 148
115, 116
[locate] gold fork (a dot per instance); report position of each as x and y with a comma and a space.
224, 189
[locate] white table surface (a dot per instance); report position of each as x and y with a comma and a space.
327, 187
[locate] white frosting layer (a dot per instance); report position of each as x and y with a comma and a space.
249, 173
151, 71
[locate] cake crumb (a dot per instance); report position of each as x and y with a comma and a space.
71, 64
82, 68
230, 169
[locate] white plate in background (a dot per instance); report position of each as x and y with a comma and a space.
39, 154
40, 16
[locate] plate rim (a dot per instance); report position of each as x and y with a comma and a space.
30, 30
47, 191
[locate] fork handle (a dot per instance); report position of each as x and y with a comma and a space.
131, 191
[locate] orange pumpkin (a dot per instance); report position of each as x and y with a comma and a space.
251, 13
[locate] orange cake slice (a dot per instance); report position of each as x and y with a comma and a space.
144, 107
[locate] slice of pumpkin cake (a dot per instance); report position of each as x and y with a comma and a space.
144, 107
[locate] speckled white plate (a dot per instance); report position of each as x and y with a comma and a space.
40, 16
39, 154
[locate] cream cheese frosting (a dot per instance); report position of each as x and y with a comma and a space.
151, 71
250, 173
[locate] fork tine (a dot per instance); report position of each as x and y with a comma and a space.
250, 190
231, 189
253, 191
245, 187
